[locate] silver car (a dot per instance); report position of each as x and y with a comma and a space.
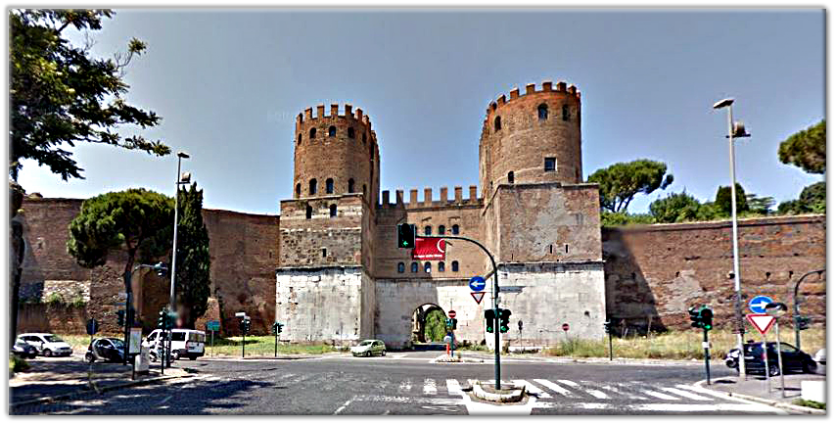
369, 348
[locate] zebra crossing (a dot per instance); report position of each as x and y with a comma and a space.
563, 389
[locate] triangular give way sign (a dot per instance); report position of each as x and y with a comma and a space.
762, 322
477, 296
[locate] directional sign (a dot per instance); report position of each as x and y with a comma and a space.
565, 327
451, 314
757, 304
477, 284
92, 327
213, 326
477, 296
762, 322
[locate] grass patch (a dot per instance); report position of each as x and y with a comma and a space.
810, 404
17, 364
263, 346
677, 345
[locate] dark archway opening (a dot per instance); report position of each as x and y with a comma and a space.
428, 327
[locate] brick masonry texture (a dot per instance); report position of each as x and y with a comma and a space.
659, 271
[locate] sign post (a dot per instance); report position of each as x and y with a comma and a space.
777, 310
213, 326
763, 323
565, 328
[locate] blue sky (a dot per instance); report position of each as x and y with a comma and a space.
228, 85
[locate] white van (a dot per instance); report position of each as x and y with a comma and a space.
184, 343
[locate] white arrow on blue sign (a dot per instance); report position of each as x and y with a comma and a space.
757, 304
477, 284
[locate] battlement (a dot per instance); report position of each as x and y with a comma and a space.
547, 87
428, 200
349, 114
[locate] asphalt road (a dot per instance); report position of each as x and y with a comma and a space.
410, 383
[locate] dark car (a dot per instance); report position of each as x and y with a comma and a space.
794, 359
105, 350
22, 349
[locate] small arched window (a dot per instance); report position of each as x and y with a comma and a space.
312, 133
351, 185
454, 266
510, 177
497, 123
309, 213
455, 229
300, 139
351, 132
427, 267
565, 113
427, 230
333, 211
414, 267
312, 188
363, 138
401, 268
441, 267
299, 190
329, 186
441, 229
542, 111
332, 131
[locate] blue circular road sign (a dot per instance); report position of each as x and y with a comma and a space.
477, 284
757, 304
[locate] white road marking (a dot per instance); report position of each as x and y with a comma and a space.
536, 391
429, 387
555, 387
683, 393
596, 393
453, 388
629, 395
166, 399
344, 405
661, 396
408, 399
405, 387
725, 407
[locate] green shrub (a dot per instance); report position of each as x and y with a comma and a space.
17, 364
810, 404
54, 299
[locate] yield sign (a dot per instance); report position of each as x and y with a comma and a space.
762, 322
477, 296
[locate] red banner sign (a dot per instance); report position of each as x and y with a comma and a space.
429, 249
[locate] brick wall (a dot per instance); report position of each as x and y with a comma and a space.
659, 271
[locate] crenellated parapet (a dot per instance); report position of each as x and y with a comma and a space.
457, 199
560, 89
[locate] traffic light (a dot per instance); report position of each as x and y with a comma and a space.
280, 327
454, 323
406, 236
695, 321
163, 319
277, 328
707, 318
244, 326
490, 316
802, 322
120, 317
448, 323
607, 327
504, 320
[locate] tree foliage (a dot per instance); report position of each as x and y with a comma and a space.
619, 183
676, 207
193, 260
806, 149
435, 328
723, 200
136, 221
60, 95
812, 200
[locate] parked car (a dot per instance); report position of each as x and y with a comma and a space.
24, 350
369, 348
794, 359
186, 343
47, 344
105, 349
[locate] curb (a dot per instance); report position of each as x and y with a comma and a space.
774, 403
51, 399
515, 396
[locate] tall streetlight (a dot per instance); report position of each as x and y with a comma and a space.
735, 130
183, 178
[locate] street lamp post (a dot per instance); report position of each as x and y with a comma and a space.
184, 178
797, 304
735, 130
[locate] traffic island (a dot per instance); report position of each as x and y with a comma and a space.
457, 359
505, 394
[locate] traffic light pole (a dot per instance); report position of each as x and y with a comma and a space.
610, 346
495, 299
797, 305
707, 356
